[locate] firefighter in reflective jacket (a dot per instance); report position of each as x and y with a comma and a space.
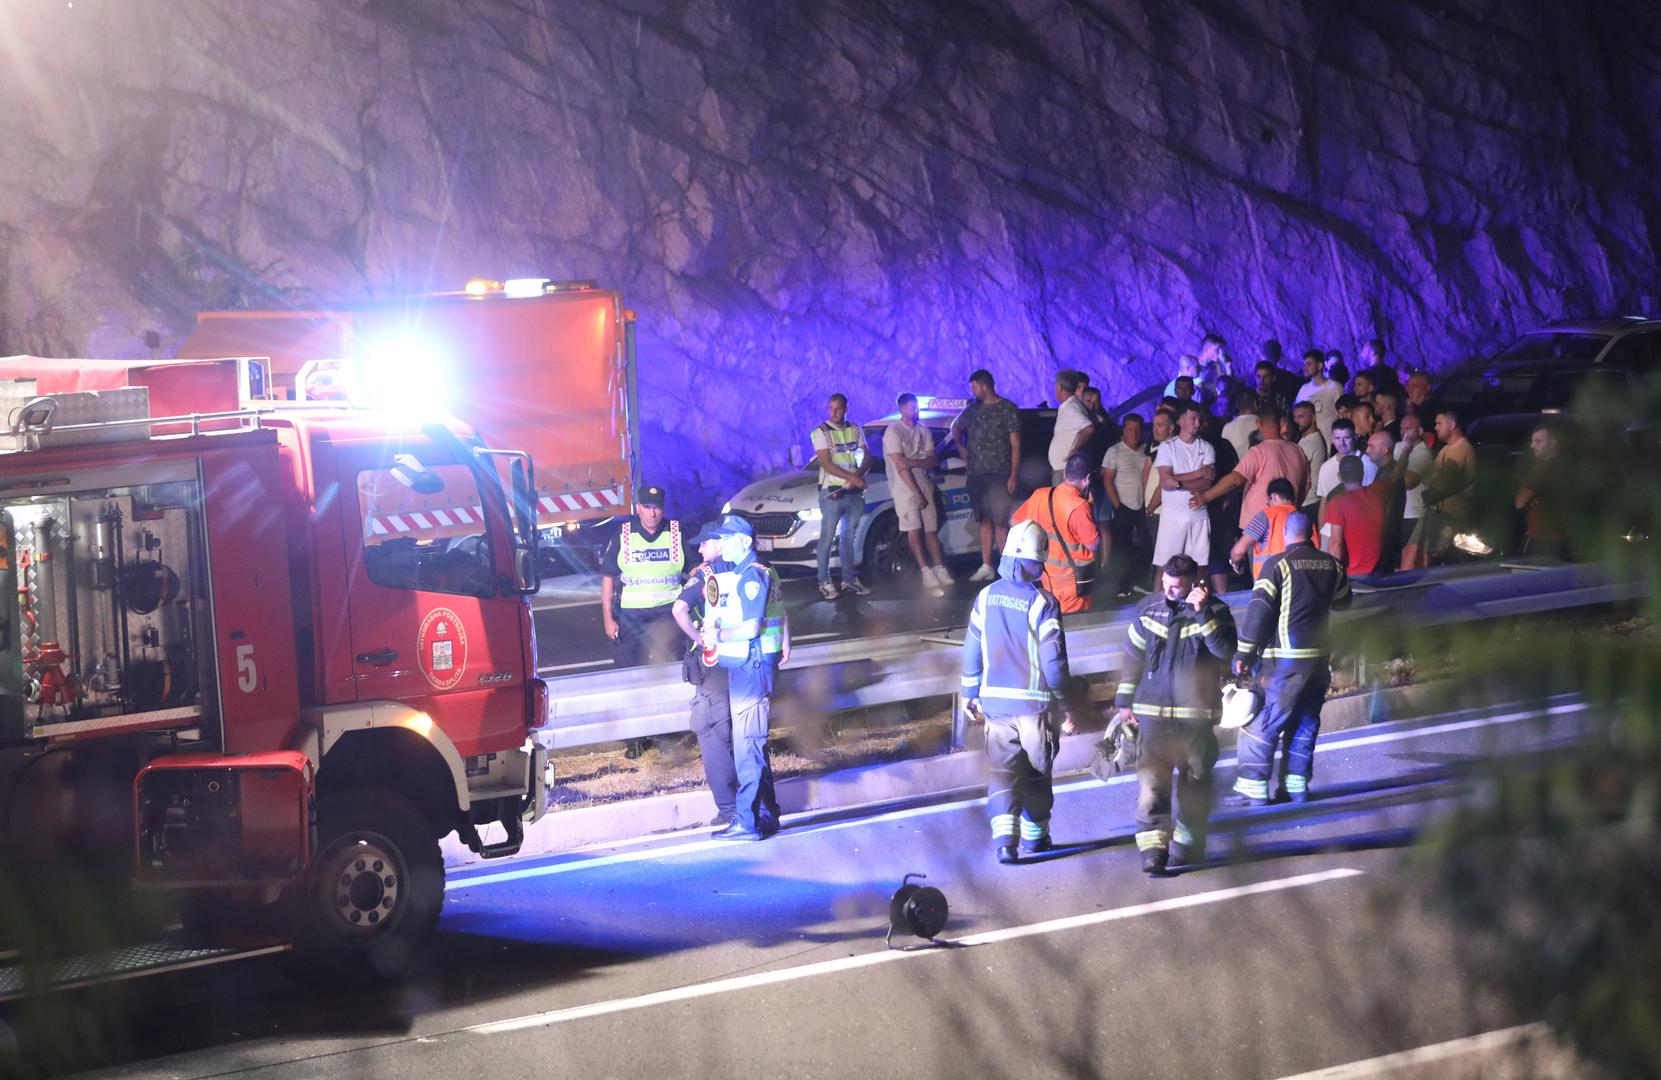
1179, 648
746, 631
1284, 633
1014, 668
1070, 532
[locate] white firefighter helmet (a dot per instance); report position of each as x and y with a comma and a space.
1026, 541
1241, 701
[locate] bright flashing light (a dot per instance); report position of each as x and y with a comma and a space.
483, 287
420, 723
403, 375
524, 287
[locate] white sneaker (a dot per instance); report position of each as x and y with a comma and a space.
985, 573
828, 591
931, 584
942, 576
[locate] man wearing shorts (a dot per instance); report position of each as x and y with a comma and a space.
908, 454
989, 431
1186, 464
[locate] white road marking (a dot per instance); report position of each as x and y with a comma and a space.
887, 956
1425, 1055
692, 847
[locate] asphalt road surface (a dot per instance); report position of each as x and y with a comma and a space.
682, 956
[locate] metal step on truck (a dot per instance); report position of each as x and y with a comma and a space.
229, 695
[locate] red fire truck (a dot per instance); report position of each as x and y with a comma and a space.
211, 653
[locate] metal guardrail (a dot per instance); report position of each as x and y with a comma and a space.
639, 702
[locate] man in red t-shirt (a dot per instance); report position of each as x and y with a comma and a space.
1353, 531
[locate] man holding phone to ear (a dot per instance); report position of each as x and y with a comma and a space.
1179, 648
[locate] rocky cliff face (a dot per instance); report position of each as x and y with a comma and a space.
867, 195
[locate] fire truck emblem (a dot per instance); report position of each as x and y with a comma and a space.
442, 645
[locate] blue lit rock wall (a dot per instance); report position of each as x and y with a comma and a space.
869, 196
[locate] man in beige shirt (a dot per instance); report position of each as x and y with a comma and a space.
908, 453
1447, 490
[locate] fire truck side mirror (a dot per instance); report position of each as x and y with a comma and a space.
527, 563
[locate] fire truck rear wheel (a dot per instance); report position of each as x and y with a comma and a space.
373, 892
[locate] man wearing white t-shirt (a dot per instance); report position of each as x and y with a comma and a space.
1416, 459
1311, 442
1187, 464
1239, 431
1343, 445
1073, 423
1320, 391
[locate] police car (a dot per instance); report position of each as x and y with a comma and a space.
783, 509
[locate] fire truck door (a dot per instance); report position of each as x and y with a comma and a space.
432, 623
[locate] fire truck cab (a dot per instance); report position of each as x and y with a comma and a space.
268, 657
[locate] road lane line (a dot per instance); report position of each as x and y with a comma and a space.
1425, 1055
871, 959
692, 847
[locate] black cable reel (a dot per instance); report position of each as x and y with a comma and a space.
916, 909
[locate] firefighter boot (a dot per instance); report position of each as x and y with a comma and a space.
1007, 855
1154, 861
1186, 855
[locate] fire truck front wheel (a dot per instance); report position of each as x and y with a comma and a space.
373, 892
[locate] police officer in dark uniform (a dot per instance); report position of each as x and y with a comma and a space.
1284, 633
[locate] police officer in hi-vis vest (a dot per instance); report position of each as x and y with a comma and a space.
744, 628
711, 703
640, 577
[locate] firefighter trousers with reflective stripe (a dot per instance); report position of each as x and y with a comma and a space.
1019, 798
1289, 721
712, 724
750, 688
1184, 750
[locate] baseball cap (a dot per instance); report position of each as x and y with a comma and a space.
725, 525
649, 496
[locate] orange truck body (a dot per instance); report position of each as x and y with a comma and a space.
551, 374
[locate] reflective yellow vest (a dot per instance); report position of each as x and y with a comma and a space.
845, 444
651, 569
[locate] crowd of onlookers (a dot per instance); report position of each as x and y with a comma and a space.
1216, 464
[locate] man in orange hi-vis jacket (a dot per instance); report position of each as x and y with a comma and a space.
1063, 512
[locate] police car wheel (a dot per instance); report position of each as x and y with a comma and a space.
373, 891
885, 551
